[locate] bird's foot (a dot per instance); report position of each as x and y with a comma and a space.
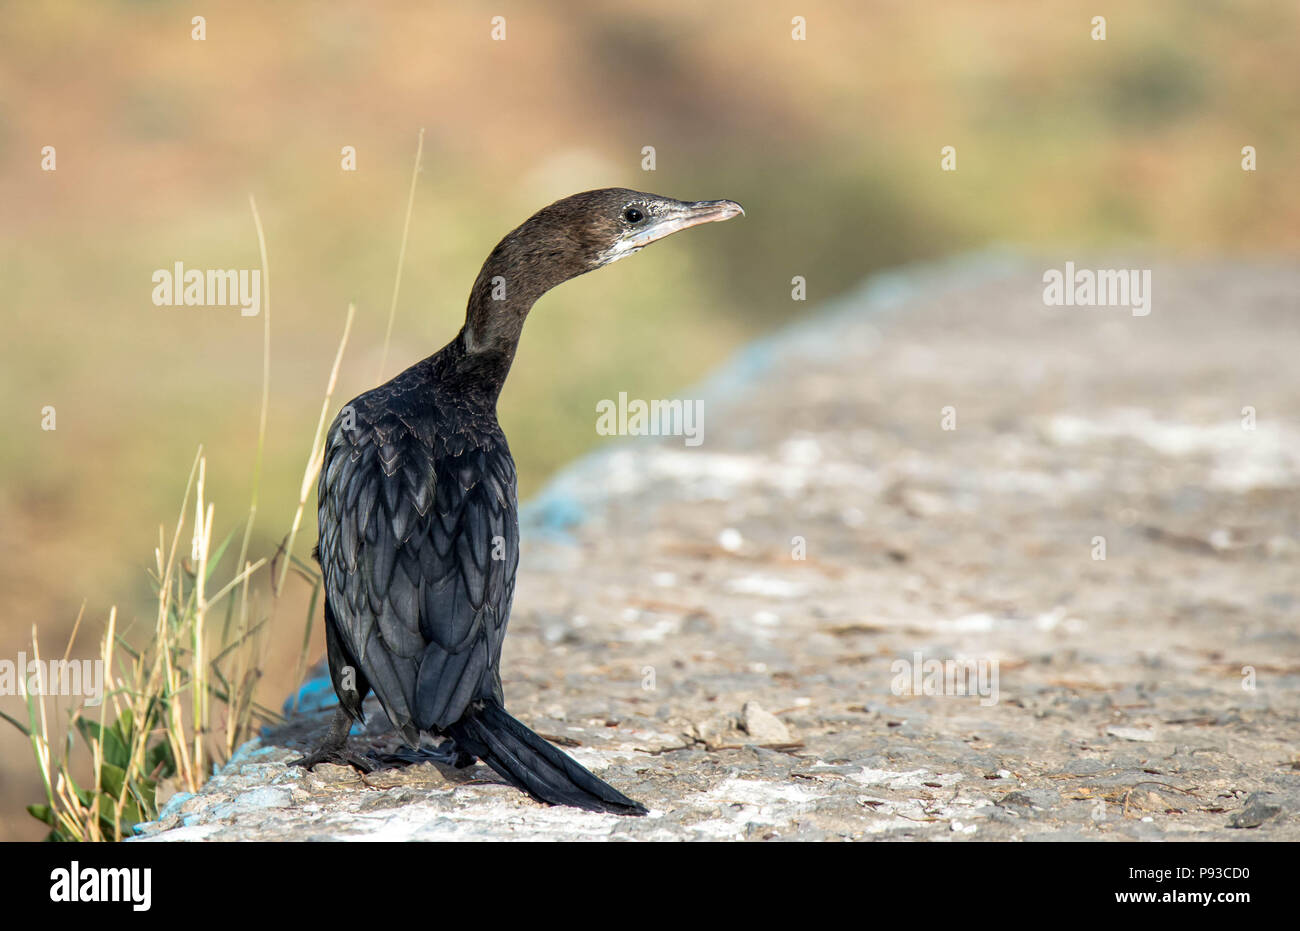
334, 748
340, 756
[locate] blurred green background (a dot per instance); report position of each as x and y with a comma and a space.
832, 144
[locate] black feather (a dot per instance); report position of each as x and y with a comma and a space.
419, 535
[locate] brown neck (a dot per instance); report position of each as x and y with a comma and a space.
524, 266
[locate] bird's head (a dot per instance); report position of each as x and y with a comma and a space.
568, 238
616, 222
586, 231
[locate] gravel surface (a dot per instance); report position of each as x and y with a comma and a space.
735, 633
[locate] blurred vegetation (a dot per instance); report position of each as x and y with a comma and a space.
832, 145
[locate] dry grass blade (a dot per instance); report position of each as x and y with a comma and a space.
317, 446
401, 258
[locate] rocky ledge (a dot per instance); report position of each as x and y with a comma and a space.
873, 602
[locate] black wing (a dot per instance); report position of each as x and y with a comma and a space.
419, 543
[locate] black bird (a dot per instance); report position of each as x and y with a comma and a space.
419, 536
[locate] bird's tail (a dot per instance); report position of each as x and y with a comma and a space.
528, 762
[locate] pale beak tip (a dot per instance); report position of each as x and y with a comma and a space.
713, 210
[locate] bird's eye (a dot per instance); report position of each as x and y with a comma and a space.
633, 215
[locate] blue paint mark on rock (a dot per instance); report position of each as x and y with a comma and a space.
315, 695
256, 800
552, 512
173, 806
265, 797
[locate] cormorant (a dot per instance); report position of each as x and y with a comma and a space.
419, 536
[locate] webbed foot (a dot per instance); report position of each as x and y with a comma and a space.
334, 749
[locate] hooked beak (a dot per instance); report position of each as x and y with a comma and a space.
684, 216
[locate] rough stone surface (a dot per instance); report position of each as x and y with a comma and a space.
762, 726
662, 604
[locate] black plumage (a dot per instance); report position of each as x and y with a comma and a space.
419, 534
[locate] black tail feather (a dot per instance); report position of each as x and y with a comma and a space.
528, 762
